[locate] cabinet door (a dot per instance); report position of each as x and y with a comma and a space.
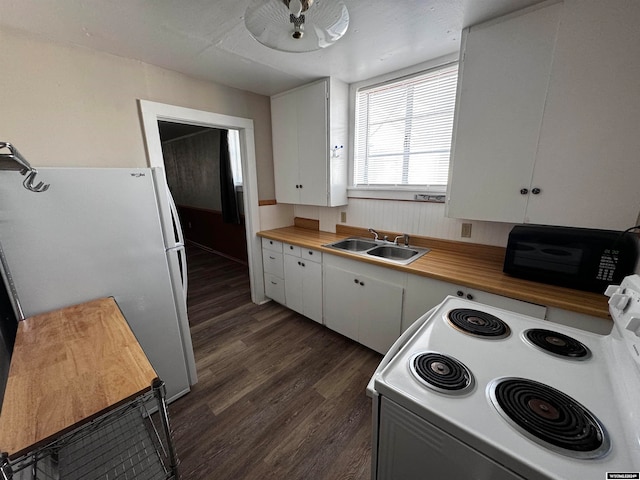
421, 296
293, 283
284, 127
503, 81
312, 290
341, 301
587, 167
380, 314
303, 286
313, 143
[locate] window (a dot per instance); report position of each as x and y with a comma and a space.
403, 130
234, 153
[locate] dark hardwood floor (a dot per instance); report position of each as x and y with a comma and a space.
279, 396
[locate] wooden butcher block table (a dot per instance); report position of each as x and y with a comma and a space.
70, 367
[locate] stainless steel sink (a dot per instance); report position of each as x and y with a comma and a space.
382, 250
353, 244
392, 252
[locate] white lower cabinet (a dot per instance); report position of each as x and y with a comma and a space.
424, 293
303, 281
363, 302
272, 263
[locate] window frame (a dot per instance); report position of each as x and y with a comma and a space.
392, 192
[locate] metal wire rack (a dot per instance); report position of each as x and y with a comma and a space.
129, 442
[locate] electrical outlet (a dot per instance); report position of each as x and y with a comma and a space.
466, 230
343, 217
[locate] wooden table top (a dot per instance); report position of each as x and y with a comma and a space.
464, 264
68, 367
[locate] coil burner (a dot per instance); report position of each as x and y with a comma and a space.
441, 373
549, 417
478, 323
557, 344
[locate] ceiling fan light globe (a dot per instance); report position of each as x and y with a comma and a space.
268, 22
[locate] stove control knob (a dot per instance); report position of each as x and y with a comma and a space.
634, 326
619, 300
611, 289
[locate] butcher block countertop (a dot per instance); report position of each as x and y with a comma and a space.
68, 367
471, 265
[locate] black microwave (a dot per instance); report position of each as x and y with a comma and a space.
580, 258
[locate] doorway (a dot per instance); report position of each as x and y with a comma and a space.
153, 112
206, 184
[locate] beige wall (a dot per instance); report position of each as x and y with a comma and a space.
69, 106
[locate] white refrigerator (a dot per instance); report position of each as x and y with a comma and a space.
100, 232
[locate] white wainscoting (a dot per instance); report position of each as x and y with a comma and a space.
417, 218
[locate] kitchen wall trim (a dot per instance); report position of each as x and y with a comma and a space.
152, 112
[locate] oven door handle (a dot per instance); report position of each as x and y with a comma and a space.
395, 348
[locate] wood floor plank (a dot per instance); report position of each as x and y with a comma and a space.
279, 396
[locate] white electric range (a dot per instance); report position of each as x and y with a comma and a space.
474, 392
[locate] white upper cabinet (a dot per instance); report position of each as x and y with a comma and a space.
307, 123
544, 128
503, 80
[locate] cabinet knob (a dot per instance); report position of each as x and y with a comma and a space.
290, 247
469, 296
272, 258
302, 264
460, 293
300, 185
524, 191
299, 263
310, 252
536, 191
362, 284
297, 186
356, 281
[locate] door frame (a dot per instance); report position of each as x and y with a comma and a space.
152, 112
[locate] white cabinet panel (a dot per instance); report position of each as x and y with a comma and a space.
424, 293
284, 130
303, 122
341, 309
362, 306
503, 82
381, 314
274, 288
533, 116
303, 283
272, 263
272, 245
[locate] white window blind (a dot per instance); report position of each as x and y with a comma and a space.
403, 130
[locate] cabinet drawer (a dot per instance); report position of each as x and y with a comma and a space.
272, 262
274, 287
273, 245
312, 255
291, 249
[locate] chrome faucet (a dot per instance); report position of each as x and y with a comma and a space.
405, 237
375, 234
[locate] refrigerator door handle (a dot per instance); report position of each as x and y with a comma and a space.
177, 227
182, 255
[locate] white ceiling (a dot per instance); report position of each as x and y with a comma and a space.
207, 39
